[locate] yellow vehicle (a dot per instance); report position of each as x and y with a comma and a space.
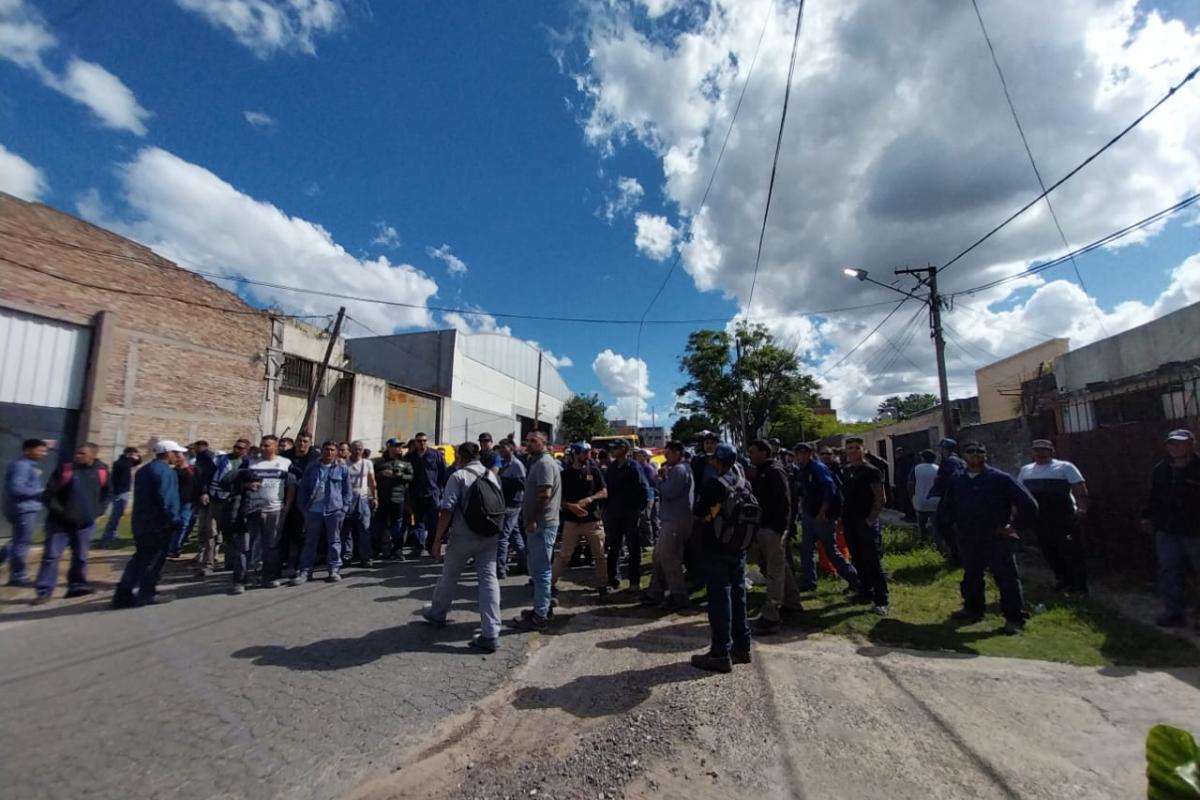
447, 452
604, 441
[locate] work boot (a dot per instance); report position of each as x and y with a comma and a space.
334, 577
740, 656
79, 591
713, 663
484, 645
1013, 627
764, 627
965, 616
530, 620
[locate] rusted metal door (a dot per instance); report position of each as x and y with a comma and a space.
406, 413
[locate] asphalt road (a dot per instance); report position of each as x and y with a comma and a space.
289, 692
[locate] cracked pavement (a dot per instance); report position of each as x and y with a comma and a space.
294, 692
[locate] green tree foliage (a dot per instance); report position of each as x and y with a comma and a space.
899, 408
583, 418
729, 389
795, 422
686, 429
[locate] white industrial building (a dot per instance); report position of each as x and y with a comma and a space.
454, 386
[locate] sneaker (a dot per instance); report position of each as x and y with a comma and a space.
366, 563
1169, 620
123, 601
713, 663
159, 600
275, 584
299, 580
333, 578
966, 616
1013, 628
478, 642
614, 586
238, 588
204, 572
40, 600
647, 600
501, 574
531, 621
432, 620
79, 591
764, 627
740, 656
880, 611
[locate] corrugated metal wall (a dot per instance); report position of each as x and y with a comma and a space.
43, 362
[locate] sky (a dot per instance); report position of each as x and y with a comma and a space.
549, 161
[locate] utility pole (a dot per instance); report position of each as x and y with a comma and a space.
537, 397
939, 341
320, 381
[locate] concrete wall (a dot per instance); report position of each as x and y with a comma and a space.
421, 361
481, 392
366, 416
1174, 337
999, 384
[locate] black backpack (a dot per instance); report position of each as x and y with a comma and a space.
485, 508
739, 518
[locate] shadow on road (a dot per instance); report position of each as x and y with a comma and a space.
604, 695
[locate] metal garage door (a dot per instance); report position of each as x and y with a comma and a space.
407, 413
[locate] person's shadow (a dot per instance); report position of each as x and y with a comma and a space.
605, 695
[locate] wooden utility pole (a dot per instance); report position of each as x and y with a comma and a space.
939, 342
315, 389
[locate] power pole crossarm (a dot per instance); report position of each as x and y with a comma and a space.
939, 341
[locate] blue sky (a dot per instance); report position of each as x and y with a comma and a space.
465, 125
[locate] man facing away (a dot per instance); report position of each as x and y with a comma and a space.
862, 487
122, 484
540, 514
156, 515
23, 489
512, 480
323, 494
920, 482
265, 490
987, 508
75, 497
582, 490
946, 538
770, 487
819, 504
1172, 516
676, 491
465, 545
212, 523
1062, 499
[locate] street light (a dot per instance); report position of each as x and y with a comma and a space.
861, 274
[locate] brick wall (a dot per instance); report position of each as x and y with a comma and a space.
178, 365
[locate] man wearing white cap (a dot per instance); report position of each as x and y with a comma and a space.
1172, 514
155, 517
1062, 499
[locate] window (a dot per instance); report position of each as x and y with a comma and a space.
297, 374
1079, 416
1180, 400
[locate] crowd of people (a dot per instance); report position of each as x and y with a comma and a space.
284, 509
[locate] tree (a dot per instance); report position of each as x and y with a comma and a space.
686, 429
740, 379
583, 417
899, 408
794, 422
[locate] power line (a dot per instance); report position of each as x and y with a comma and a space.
1012, 108
787, 93
863, 341
1170, 93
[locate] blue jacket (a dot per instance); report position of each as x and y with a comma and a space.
628, 489
981, 505
220, 486
122, 475
325, 489
155, 500
814, 486
22, 488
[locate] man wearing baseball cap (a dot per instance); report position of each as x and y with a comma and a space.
156, 514
628, 496
1172, 515
1062, 498
945, 535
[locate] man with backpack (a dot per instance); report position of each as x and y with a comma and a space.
770, 486
156, 515
727, 516
76, 495
541, 515
472, 513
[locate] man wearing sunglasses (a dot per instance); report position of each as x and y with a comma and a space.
988, 507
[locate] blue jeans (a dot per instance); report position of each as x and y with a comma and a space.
540, 555
726, 577
181, 532
1175, 554
119, 504
144, 567
812, 532
512, 538
356, 530
18, 549
314, 526
57, 540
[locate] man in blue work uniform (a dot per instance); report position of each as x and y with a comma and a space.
820, 503
988, 507
23, 487
628, 496
156, 516
429, 477
512, 480
122, 484
952, 466
324, 495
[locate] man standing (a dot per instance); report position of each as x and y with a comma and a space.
356, 528
819, 503
770, 487
676, 491
213, 523
720, 547
429, 476
155, 521
648, 521
628, 495
540, 514
920, 482
951, 467
988, 507
323, 496
1172, 515
291, 539
485, 448
862, 487
186, 476
1062, 499
122, 483
582, 490
512, 481
465, 544
23, 489
266, 489
393, 478
75, 496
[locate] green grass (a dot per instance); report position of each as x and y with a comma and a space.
924, 592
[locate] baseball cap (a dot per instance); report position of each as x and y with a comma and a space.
802, 446
1043, 444
725, 452
580, 447
394, 442
1181, 435
615, 443
168, 446
706, 435
948, 442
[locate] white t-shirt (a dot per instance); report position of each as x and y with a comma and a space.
1056, 477
358, 476
273, 477
924, 475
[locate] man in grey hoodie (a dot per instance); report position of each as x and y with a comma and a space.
676, 491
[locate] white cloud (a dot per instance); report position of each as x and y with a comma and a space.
186, 213
386, 235
25, 40
454, 264
20, 178
893, 156
259, 119
559, 362
627, 379
312, 190
629, 194
656, 8
655, 236
479, 322
268, 27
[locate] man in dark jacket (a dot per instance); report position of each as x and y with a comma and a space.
76, 495
628, 496
393, 481
23, 488
946, 538
155, 520
819, 502
122, 484
185, 475
292, 538
770, 486
429, 477
1172, 515
988, 507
